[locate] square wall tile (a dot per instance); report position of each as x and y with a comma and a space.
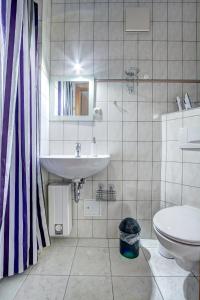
56, 131
144, 189
57, 32
130, 151
174, 172
174, 31
86, 11
116, 31
85, 228
100, 228
129, 209
57, 13
175, 50
145, 151
129, 190
70, 131
144, 210
115, 131
57, 51
100, 31
86, 31
174, 12
115, 12
160, 50
129, 170
115, 150
159, 11
129, 131
145, 170
160, 31
115, 170
189, 12
129, 111
101, 12
72, 12
115, 50
145, 131
145, 50
190, 174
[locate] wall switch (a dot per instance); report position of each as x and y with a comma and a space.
92, 208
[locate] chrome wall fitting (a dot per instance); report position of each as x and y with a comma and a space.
106, 195
131, 75
76, 189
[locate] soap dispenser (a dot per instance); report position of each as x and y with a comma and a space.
93, 150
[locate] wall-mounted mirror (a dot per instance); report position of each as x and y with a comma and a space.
72, 99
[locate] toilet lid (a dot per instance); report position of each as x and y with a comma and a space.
181, 223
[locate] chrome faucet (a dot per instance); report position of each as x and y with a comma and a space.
78, 150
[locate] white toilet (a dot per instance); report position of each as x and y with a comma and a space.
178, 231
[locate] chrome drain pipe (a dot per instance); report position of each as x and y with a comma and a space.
77, 185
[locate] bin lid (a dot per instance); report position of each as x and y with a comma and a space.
129, 225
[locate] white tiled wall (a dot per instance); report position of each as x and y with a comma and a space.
92, 33
45, 22
181, 168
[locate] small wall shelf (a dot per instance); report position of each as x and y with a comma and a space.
190, 146
189, 138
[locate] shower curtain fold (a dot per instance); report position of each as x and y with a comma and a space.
65, 93
23, 228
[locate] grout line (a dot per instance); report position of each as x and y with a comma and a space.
156, 283
152, 86
124, 276
111, 272
122, 142
22, 284
70, 270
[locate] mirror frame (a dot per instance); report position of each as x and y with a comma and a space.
90, 116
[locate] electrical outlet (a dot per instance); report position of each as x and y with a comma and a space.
92, 208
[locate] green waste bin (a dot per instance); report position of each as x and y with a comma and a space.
129, 238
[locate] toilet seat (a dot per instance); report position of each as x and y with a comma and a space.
179, 223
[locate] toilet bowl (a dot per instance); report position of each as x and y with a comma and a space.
178, 231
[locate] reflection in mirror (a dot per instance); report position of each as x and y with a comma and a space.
72, 98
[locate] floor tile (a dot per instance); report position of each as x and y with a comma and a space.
38, 287
149, 243
91, 261
122, 266
64, 242
178, 288
55, 261
28, 271
89, 288
139, 288
93, 243
10, 285
162, 266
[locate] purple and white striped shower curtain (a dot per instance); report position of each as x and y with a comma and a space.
23, 228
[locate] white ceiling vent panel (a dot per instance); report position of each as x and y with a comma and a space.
137, 19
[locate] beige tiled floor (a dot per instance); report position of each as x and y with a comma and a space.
93, 269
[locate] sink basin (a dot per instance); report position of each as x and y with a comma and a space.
71, 167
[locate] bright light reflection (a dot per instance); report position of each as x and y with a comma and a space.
77, 68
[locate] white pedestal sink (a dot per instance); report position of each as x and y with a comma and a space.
75, 168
